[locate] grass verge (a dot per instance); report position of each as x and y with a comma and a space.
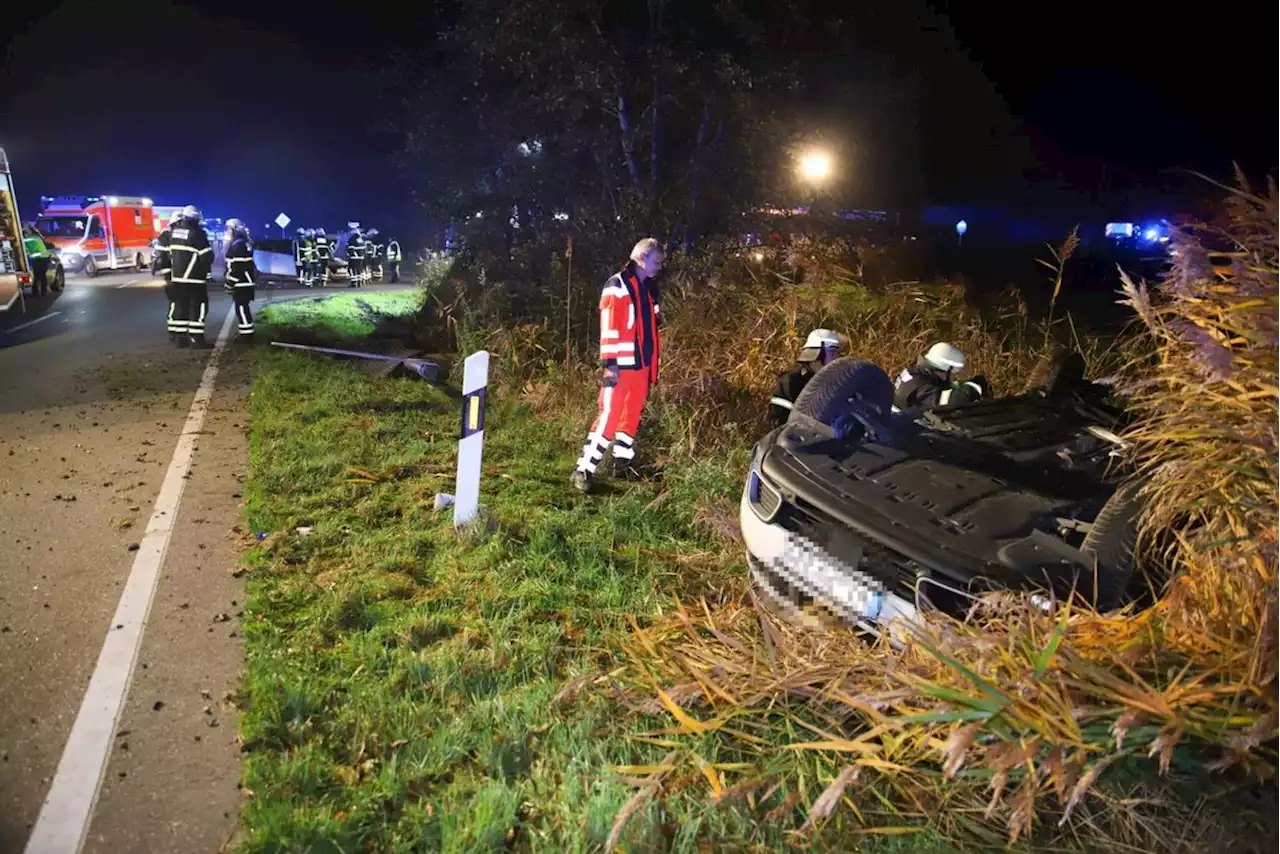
344, 316
411, 689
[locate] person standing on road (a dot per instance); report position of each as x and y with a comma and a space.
355, 256
373, 256
41, 259
300, 256
324, 254
162, 265
192, 258
393, 259
313, 258
242, 276
630, 347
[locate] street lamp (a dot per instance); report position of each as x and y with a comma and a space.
815, 167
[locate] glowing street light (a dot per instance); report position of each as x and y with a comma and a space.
815, 166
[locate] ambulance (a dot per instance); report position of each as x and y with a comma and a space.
93, 233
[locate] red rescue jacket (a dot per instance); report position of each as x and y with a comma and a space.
629, 338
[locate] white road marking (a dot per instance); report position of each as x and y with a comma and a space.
39, 319
68, 808
126, 284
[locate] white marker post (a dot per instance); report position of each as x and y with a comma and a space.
475, 377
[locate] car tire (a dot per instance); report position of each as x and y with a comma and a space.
138, 265
826, 397
1111, 544
1057, 374
59, 279
90, 267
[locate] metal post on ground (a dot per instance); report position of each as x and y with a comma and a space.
475, 378
466, 492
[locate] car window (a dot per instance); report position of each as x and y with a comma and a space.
95, 228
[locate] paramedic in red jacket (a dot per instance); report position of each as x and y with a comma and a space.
630, 349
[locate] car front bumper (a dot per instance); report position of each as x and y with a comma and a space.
806, 584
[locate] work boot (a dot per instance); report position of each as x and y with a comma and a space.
581, 481
182, 341
198, 342
625, 470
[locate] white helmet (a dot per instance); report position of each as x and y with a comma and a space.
236, 227
944, 357
820, 342
174, 217
191, 212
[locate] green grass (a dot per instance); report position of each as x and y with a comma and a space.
341, 317
401, 683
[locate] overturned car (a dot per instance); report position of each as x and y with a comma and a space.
855, 514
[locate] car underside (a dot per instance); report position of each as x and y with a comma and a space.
929, 510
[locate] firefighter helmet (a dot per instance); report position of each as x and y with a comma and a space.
236, 227
191, 212
311, 232
944, 357
822, 344
174, 217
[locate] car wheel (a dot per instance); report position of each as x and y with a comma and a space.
839, 386
59, 279
90, 267
138, 266
1111, 543
1057, 374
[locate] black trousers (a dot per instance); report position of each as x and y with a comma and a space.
40, 275
355, 270
395, 271
242, 295
190, 308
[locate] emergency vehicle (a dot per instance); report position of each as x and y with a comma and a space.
93, 233
15, 269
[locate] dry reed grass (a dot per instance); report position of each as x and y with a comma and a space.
1014, 719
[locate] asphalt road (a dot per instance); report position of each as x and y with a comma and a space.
93, 401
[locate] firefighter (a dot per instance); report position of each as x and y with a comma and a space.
162, 265
324, 254
630, 348
242, 276
930, 382
313, 259
373, 256
820, 348
355, 256
300, 256
192, 259
393, 259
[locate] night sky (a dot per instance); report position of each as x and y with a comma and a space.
250, 112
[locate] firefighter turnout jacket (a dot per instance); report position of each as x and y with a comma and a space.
161, 261
922, 386
190, 253
355, 248
788, 388
324, 252
300, 250
629, 309
393, 250
241, 272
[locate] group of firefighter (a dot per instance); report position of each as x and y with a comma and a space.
184, 257
366, 256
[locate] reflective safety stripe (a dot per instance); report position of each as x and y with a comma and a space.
782, 401
626, 361
609, 349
